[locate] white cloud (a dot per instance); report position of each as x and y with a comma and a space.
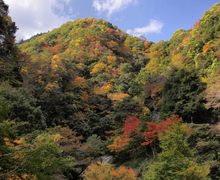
36, 16
129, 31
154, 27
111, 6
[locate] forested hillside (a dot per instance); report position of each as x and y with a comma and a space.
88, 90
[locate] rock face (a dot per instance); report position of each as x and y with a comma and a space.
107, 159
154, 111
58, 177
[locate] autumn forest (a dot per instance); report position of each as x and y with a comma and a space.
88, 90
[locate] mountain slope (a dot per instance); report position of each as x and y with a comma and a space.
78, 71
91, 57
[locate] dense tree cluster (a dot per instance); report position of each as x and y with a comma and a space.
88, 90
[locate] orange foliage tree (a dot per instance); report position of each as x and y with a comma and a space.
105, 171
207, 48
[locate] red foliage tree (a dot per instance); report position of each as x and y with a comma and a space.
56, 49
130, 126
154, 131
130, 133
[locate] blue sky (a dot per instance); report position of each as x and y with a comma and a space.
156, 19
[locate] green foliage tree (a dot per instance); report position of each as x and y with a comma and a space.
9, 53
126, 68
96, 143
7, 31
183, 95
8, 164
205, 139
124, 82
41, 156
4, 103
176, 158
24, 108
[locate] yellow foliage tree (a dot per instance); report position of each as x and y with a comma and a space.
111, 59
99, 68
177, 60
